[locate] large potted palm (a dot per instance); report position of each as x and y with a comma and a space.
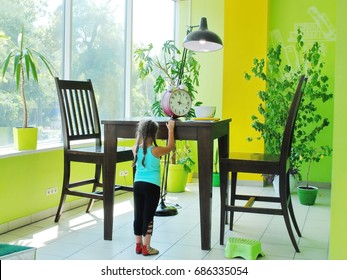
23, 58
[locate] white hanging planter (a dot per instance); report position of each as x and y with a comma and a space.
293, 183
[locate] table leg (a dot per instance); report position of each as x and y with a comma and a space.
205, 160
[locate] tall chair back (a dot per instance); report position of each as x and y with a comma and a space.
79, 112
287, 139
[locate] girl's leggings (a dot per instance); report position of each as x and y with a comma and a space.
146, 199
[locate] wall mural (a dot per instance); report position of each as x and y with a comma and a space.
320, 29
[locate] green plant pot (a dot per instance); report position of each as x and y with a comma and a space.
307, 196
25, 138
177, 178
215, 180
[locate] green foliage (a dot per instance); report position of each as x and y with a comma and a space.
183, 155
281, 82
167, 69
24, 60
10, 109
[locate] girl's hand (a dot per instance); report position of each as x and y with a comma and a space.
170, 125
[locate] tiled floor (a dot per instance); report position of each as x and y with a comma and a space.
79, 236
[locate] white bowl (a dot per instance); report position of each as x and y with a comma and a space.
205, 111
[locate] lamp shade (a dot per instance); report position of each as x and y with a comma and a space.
202, 40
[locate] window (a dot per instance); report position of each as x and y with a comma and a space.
149, 26
42, 23
84, 39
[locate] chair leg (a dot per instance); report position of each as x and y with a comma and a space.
95, 185
66, 180
290, 206
232, 198
223, 202
289, 228
284, 180
292, 215
60, 208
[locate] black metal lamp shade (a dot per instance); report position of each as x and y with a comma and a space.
202, 40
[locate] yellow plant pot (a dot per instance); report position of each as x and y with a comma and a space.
190, 177
177, 178
25, 138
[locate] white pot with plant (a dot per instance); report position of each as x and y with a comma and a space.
293, 183
24, 58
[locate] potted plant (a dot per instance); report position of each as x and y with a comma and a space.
23, 57
309, 153
167, 68
181, 164
281, 81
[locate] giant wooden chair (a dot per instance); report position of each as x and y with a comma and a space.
262, 164
80, 123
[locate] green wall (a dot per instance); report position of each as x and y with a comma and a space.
338, 229
25, 178
23, 183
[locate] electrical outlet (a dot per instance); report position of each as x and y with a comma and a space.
124, 173
51, 191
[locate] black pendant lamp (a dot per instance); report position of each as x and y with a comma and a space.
203, 40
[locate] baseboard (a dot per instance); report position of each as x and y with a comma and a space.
24, 221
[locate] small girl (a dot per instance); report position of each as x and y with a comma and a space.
147, 180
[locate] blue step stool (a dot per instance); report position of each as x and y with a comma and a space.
244, 248
16, 252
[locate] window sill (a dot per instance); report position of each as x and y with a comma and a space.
41, 147
9, 151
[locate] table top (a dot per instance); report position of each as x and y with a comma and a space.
163, 120
184, 129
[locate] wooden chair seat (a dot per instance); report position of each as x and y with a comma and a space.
262, 164
245, 162
96, 154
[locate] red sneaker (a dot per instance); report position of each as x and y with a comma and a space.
138, 249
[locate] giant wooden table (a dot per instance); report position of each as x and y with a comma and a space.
204, 132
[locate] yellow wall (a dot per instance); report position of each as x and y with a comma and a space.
245, 38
